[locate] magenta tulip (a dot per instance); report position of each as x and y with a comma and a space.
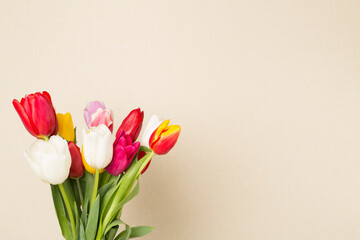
132, 124
37, 114
123, 154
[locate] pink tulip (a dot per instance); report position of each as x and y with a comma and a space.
96, 113
123, 154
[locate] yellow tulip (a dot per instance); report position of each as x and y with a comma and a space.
66, 126
86, 165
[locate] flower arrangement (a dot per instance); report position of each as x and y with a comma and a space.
91, 185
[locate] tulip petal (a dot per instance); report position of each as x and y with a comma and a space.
23, 116
155, 135
154, 123
50, 160
66, 126
45, 122
166, 141
92, 107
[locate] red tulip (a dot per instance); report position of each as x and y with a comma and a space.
77, 167
132, 124
123, 154
140, 156
164, 138
37, 114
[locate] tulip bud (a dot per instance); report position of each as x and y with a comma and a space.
77, 167
123, 154
164, 138
97, 149
37, 114
66, 126
96, 113
50, 160
132, 124
154, 123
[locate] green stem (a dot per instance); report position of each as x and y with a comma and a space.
80, 192
152, 154
96, 184
69, 210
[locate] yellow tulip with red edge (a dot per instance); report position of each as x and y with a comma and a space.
164, 138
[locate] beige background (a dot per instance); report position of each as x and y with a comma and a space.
267, 94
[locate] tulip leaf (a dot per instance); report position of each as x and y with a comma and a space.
116, 222
89, 184
144, 149
124, 235
108, 199
77, 219
92, 224
130, 196
84, 214
140, 231
82, 231
75, 141
104, 189
60, 212
69, 192
112, 233
76, 192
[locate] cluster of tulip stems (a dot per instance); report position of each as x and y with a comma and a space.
91, 185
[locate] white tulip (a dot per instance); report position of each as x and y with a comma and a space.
50, 160
98, 146
153, 124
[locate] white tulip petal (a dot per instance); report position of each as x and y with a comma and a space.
97, 146
51, 160
153, 124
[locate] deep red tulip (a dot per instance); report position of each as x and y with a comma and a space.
123, 154
132, 124
140, 156
164, 138
37, 114
77, 167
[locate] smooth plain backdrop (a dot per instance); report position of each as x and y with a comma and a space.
267, 94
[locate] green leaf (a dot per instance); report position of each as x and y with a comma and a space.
144, 149
77, 219
69, 192
130, 196
82, 231
76, 192
60, 212
103, 190
124, 235
84, 214
116, 222
93, 220
75, 135
89, 185
112, 232
108, 199
140, 231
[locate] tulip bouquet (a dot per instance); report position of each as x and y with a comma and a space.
91, 185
